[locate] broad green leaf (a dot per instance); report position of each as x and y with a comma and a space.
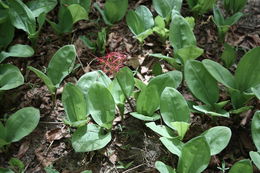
6, 170
173, 107
123, 85
181, 128
74, 103
200, 82
174, 145
61, 64
148, 101
218, 18
170, 79
47, 81
115, 10
153, 117
77, 12
2, 132
10, 77
228, 55
142, 36
191, 21
170, 60
134, 22
242, 166
21, 123
248, 69
101, 105
157, 69
255, 129
21, 16
220, 73
189, 52
240, 110
255, 157
146, 16
233, 19
181, 34
239, 98
162, 130
195, 156
256, 91
201, 6
211, 110
217, 138
18, 50
163, 168
41, 6
90, 138
165, 7
84, 3
139, 84
89, 78
6, 34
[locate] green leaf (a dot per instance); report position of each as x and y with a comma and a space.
189, 52
101, 105
6, 34
234, 6
233, 19
16, 163
211, 110
200, 82
153, 117
174, 145
181, 34
217, 138
41, 6
18, 50
123, 85
10, 77
115, 10
6, 170
255, 157
84, 3
61, 64
239, 98
134, 22
74, 103
90, 44
220, 73
170, 60
229, 55
139, 84
90, 138
248, 70
21, 16
47, 81
161, 130
195, 156
242, 166
157, 69
50, 169
173, 107
77, 12
146, 16
89, 78
163, 168
256, 91
255, 129
142, 36
200, 6
21, 124
148, 101
165, 7
170, 79
181, 128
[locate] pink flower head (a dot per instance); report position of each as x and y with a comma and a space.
112, 62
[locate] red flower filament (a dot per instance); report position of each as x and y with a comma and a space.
112, 62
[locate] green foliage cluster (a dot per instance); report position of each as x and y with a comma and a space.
92, 103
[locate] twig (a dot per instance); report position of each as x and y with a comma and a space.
131, 169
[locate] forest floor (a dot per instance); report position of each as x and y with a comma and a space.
133, 143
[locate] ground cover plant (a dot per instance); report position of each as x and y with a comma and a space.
169, 86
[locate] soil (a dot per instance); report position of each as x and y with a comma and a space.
132, 142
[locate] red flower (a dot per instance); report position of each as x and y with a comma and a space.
112, 62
